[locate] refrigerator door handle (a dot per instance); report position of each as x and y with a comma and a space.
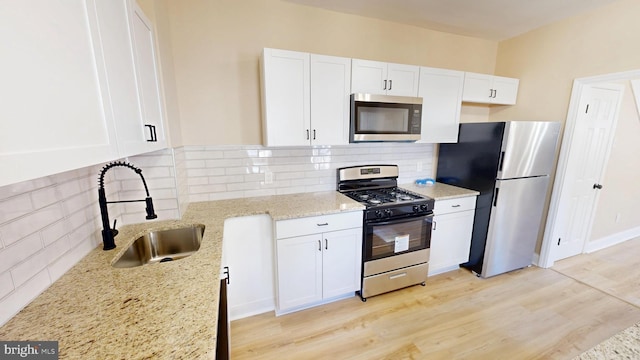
501, 161
495, 198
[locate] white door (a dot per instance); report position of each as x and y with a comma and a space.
477, 88
341, 262
368, 77
286, 100
330, 104
505, 90
402, 80
441, 92
588, 153
299, 270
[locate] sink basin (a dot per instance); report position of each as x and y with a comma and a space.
161, 246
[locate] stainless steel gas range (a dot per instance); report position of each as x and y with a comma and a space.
396, 232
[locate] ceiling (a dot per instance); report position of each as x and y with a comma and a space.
488, 19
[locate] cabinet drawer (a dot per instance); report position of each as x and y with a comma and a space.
454, 205
318, 224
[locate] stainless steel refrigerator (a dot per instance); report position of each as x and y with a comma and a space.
509, 164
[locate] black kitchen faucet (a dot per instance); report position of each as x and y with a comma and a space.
108, 234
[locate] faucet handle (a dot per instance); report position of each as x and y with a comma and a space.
150, 212
114, 231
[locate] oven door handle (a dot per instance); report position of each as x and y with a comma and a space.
400, 221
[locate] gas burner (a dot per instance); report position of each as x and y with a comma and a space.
404, 197
374, 201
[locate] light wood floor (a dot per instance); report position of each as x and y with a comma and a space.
526, 314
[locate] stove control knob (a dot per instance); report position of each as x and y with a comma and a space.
424, 207
388, 212
378, 213
416, 208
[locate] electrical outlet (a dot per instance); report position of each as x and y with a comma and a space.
268, 177
419, 166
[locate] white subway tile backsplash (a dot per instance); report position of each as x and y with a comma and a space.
47, 225
15, 207
16, 300
29, 268
6, 284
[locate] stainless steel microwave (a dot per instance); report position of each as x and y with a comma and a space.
385, 118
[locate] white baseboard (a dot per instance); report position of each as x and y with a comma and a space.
611, 240
256, 307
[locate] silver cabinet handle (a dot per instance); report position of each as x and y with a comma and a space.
319, 245
323, 224
385, 85
326, 244
307, 134
456, 205
390, 84
314, 134
434, 225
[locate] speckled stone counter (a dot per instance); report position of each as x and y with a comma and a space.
439, 191
158, 311
625, 345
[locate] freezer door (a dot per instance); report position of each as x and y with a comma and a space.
514, 224
528, 149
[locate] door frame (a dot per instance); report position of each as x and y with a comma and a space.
546, 259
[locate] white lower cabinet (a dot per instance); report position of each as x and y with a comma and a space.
247, 252
451, 233
318, 260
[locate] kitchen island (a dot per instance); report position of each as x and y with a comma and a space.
163, 310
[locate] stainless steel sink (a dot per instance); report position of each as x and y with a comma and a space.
161, 246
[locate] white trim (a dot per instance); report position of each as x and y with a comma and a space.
611, 240
546, 257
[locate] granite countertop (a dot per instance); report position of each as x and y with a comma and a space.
440, 191
163, 310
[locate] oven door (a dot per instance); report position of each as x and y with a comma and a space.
386, 238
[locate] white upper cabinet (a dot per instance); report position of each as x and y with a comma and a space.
69, 86
128, 52
148, 80
374, 77
285, 98
305, 98
441, 92
54, 112
489, 89
330, 102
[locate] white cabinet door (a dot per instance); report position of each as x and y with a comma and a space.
285, 98
330, 102
375, 77
489, 89
402, 80
477, 88
451, 233
151, 104
299, 270
248, 252
341, 265
441, 92
54, 112
506, 90
450, 241
369, 77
